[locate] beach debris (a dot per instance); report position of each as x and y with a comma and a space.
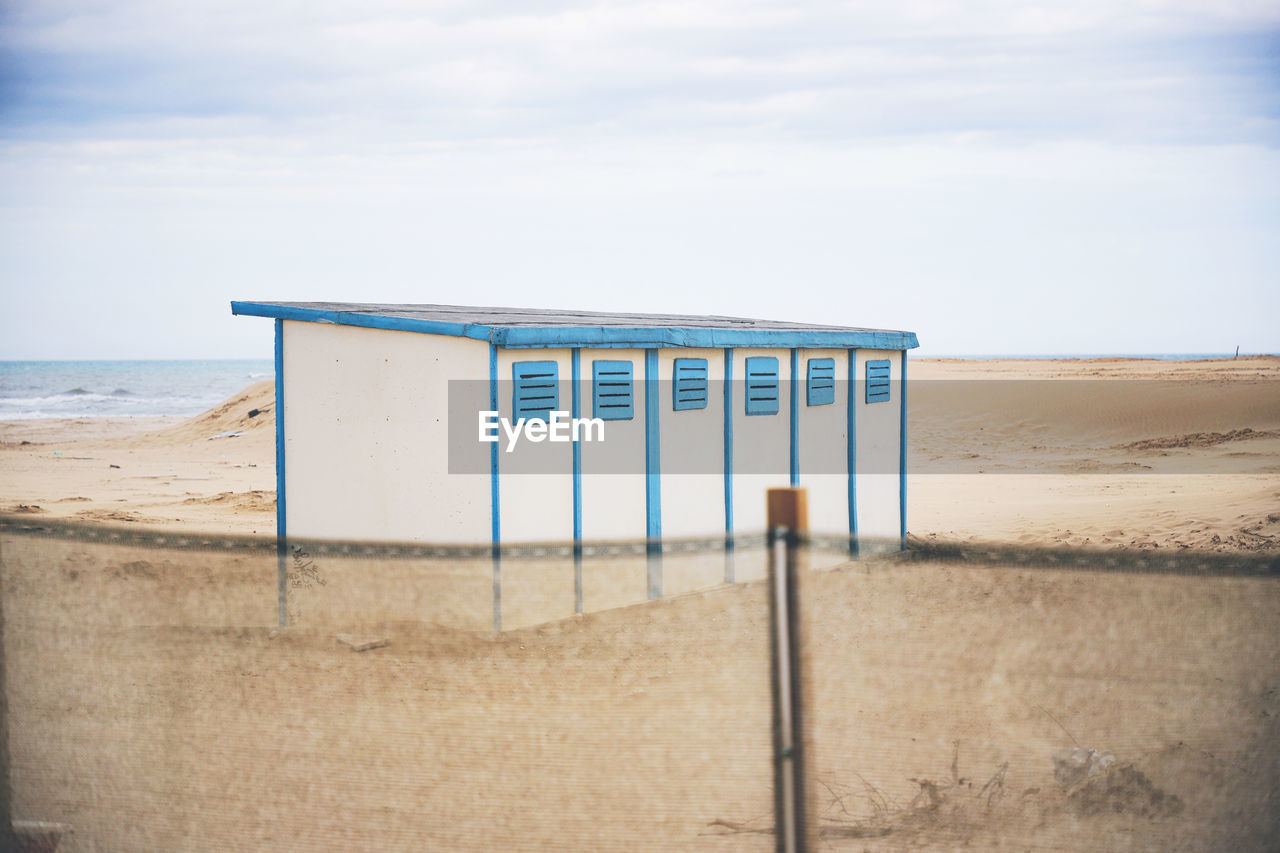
40, 835
1198, 439
230, 434
135, 569
108, 514
1074, 765
861, 810
253, 413
362, 643
115, 466
1123, 789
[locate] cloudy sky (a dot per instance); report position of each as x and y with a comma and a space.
1000, 177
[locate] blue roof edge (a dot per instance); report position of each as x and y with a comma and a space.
368, 321
642, 337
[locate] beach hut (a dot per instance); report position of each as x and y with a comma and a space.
379, 423
394, 423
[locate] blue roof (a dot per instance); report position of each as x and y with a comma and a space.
532, 327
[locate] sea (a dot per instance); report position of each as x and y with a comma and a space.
101, 389
111, 389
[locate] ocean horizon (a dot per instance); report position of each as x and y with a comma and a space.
32, 390
186, 387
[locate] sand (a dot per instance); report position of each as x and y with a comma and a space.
154, 472
154, 705
1178, 454
1099, 452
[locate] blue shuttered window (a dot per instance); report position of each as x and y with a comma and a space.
612, 395
689, 386
821, 385
762, 386
536, 393
878, 381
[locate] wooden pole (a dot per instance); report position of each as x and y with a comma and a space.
788, 524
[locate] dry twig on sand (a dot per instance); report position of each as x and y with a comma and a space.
934, 801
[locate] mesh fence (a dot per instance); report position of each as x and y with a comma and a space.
1046, 701
955, 696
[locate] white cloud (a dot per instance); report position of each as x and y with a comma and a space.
949, 168
484, 70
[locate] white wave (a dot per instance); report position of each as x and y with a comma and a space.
31, 390
55, 399
101, 405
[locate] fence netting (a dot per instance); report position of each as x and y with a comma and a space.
954, 697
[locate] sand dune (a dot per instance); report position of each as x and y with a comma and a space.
250, 412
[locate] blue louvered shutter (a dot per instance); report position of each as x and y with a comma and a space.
536, 393
612, 394
689, 388
762, 386
878, 381
821, 382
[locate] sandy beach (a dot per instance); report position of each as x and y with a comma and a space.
1100, 452
158, 472
154, 705
1210, 430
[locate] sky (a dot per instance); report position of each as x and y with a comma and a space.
998, 177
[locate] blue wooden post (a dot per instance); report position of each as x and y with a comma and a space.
729, 574
575, 397
282, 543
902, 458
795, 417
495, 531
653, 474
851, 452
